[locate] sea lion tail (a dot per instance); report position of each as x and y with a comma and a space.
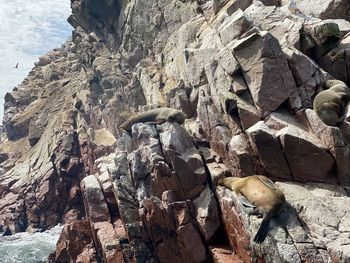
263, 230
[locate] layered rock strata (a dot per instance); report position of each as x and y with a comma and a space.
245, 74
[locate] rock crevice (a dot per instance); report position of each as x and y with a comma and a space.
243, 72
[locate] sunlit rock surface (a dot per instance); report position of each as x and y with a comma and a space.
244, 73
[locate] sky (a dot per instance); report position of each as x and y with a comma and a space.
28, 30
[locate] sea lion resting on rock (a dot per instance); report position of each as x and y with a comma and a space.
155, 116
259, 193
329, 104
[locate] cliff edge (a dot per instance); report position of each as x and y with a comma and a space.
244, 73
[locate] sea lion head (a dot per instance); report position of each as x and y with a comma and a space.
329, 115
177, 116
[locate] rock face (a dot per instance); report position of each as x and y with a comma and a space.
244, 73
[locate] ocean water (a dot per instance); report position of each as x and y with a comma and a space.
29, 247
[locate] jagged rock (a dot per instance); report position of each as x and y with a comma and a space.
291, 241
280, 22
248, 113
263, 82
337, 60
319, 37
102, 137
307, 161
79, 247
269, 150
180, 152
307, 74
36, 128
217, 170
187, 247
219, 85
236, 234
235, 69
241, 161
222, 255
173, 164
330, 136
3, 157
108, 242
94, 201
234, 27
228, 61
322, 208
207, 214
209, 116
43, 61
326, 9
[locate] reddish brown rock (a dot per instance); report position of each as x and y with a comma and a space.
154, 198
186, 245
223, 255
75, 244
191, 243
108, 243
237, 235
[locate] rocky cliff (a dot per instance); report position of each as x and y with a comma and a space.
245, 74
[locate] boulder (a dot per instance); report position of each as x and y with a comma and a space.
241, 161
266, 72
207, 214
308, 162
337, 60
94, 201
269, 151
326, 9
232, 28
79, 247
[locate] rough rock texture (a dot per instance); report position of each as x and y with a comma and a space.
244, 73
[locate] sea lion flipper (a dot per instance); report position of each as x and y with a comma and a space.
244, 201
263, 230
266, 181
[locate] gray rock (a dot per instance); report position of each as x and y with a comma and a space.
94, 201
269, 150
262, 82
326, 9
307, 161
207, 214
237, 24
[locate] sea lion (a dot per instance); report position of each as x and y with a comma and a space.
155, 116
329, 104
259, 193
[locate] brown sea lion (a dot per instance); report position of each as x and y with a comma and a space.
155, 116
329, 104
260, 193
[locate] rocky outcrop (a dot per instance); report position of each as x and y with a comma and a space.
244, 73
